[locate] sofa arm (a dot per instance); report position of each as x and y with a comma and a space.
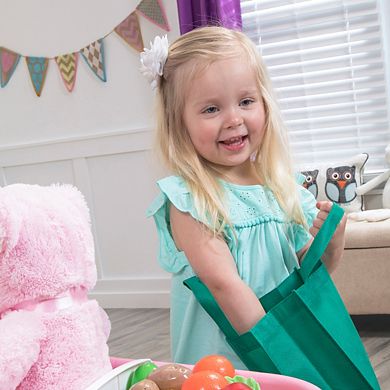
363, 275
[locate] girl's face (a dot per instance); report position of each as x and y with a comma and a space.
224, 115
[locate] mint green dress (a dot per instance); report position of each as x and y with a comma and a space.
264, 251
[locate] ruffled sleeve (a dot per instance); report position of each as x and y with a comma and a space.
172, 191
308, 204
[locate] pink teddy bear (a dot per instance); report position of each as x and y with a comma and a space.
51, 335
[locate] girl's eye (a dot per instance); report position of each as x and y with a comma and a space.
246, 102
210, 110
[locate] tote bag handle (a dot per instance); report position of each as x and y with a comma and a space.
310, 263
313, 255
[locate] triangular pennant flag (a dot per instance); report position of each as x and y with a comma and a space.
37, 66
67, 65
129, 30
8, 62
94, 56
154, 11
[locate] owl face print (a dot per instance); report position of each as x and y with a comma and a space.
340, 186
311, 181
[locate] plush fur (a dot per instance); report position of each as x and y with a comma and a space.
46, 249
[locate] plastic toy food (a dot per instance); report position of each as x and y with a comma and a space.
170, 376
237, 386
147, 384
205, 380
140, 374
212, 372
238, 379
216, 363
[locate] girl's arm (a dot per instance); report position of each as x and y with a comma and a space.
213, 263
334, 251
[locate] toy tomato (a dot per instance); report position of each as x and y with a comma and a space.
237, 386
216, 363
205, 380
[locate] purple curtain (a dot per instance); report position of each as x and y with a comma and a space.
196, 13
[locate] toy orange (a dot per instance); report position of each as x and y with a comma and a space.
216, 363
205, 380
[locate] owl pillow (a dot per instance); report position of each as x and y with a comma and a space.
337, 182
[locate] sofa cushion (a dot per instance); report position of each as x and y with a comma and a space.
364, 234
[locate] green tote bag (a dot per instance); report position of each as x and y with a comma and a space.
307, 332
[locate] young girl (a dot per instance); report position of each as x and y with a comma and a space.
233, 214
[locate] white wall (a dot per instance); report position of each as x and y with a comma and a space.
99, 137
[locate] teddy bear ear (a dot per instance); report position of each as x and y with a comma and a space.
74, 195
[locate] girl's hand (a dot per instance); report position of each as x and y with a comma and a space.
335, 247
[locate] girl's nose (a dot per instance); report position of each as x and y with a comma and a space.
233, 118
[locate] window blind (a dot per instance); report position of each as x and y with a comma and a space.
325, 59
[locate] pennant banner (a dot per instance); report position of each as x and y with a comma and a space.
67, 65
37, 66
129, 30
94, 56
154, 11
8, 62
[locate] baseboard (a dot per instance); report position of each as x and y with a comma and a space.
133, 293
132, 300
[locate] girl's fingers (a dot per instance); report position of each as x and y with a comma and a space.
324, 209
324, 205
322, 215
313, 231
317, 223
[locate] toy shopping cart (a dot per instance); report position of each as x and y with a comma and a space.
122, 369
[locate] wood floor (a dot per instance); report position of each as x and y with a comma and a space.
144, 333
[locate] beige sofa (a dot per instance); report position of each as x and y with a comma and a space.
363, 276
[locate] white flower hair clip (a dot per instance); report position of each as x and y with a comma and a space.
153, 60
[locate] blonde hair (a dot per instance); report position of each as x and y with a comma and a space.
187, 56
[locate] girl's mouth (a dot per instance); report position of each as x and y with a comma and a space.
234, 143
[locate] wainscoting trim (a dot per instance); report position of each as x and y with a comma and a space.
72, 148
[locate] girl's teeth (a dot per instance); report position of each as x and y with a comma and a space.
235, 140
